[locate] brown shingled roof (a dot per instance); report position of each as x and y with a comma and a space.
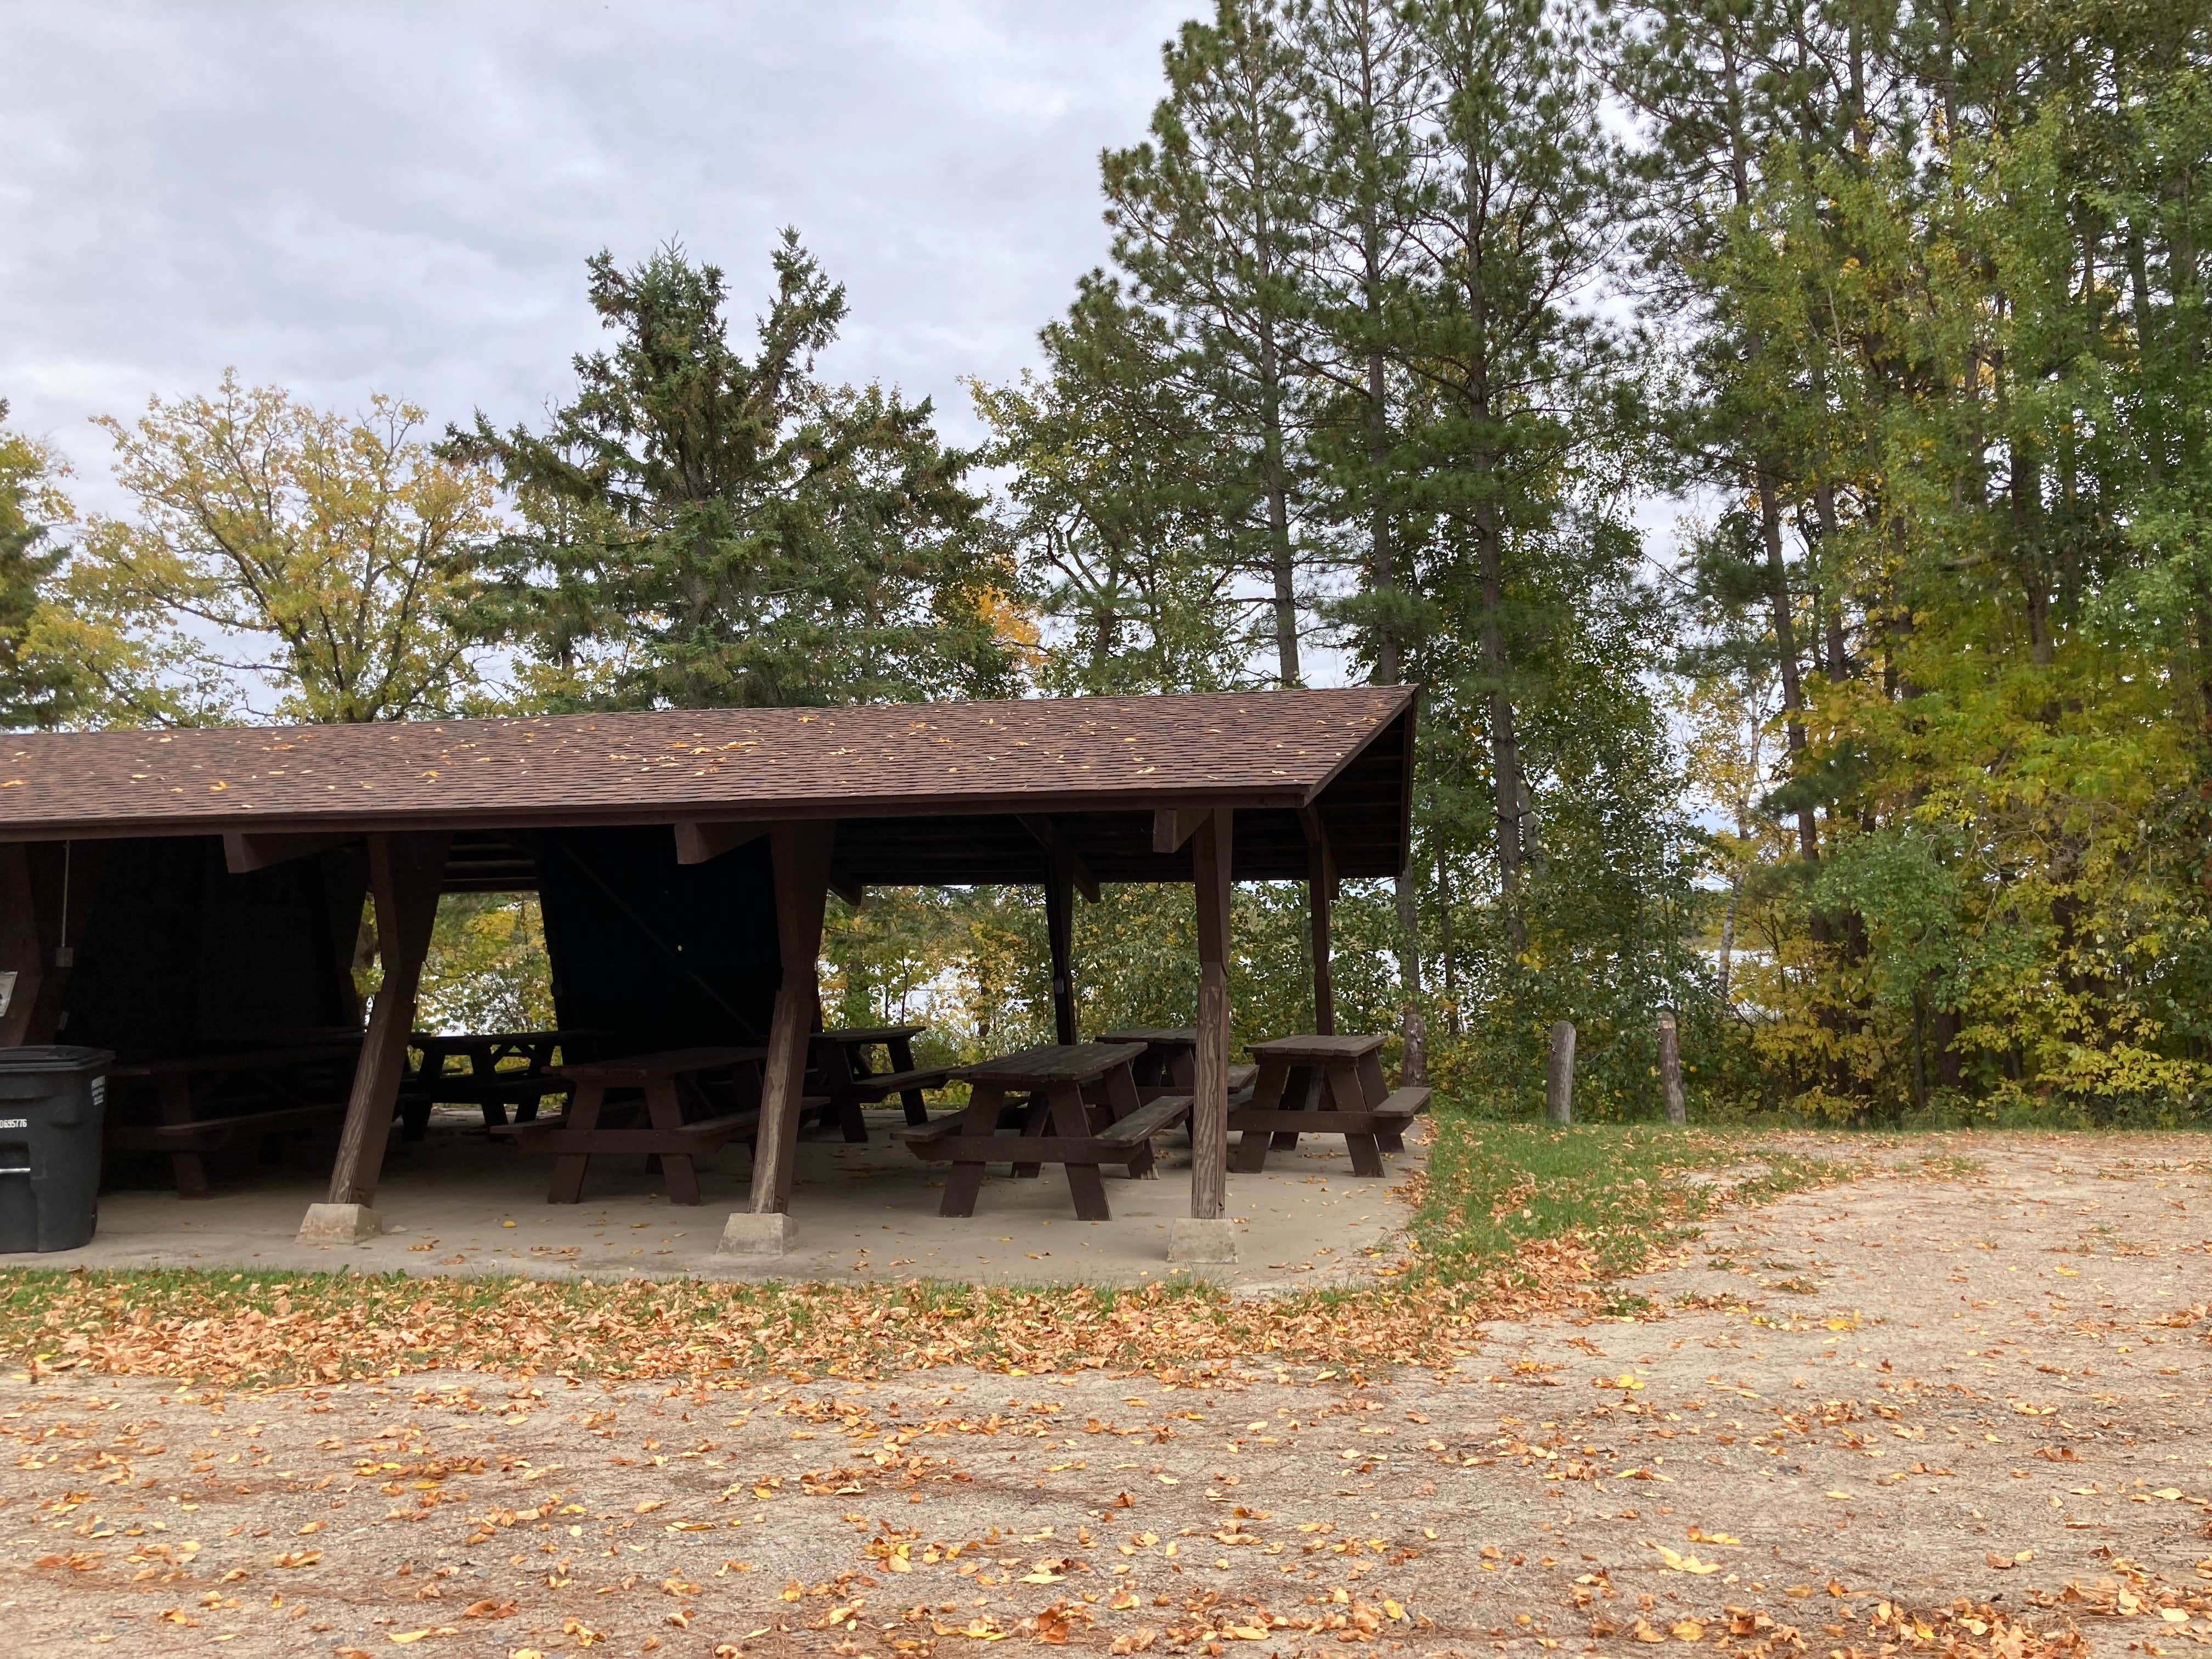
1275, 749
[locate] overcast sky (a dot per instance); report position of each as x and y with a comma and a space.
342, 198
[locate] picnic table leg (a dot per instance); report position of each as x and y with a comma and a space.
1345, 1094
965, 1180
1098, 1105
1034, 1117
1070, 1118
1251, 1155
902, 1052
541, 1056
1286, 1140
483, 1068
662, 1110
567, 1186
176, 1096
845, 1098
414, 1106
1390, 1137
1121, 1099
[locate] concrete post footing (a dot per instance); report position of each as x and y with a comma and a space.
1195, 1241
339, 1224
748, 1232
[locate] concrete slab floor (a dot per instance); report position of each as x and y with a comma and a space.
459, 1203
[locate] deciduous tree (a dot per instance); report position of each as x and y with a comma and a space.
276, 548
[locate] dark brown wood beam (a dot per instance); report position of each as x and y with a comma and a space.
1321, 890
1174, 825
1210, 853
801, 856
702, 843
852, 892
1060, 931
404, 873
1048, 837
244, 852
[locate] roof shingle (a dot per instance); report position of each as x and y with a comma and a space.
1274, 748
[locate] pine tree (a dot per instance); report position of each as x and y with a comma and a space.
1211, 222
1515, 387
33, 692
1365, 93
706, 528
1124, 511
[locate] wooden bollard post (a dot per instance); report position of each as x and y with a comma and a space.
1559, 1085
1670, 1067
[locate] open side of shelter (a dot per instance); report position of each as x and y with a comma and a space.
167, 894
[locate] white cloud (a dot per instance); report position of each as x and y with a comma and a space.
401, 197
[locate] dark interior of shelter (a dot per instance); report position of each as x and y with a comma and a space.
179, 955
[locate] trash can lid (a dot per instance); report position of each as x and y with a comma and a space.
56, 1057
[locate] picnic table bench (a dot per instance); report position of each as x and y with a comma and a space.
1323, 1085
667, 1136
1084, 1111
484, 1084
843, 1074
262, 1079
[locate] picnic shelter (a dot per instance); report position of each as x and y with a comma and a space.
183, 896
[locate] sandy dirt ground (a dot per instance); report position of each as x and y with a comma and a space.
1842, 1414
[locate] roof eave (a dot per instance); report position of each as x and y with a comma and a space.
580, 816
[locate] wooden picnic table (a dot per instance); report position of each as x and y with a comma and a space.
843, 1074
1083, 1111
484, 1084
1323, 1085
666, 1080
186, 1137
1169, 1064
1170, 1056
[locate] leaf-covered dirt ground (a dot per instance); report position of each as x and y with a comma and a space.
1957, 1404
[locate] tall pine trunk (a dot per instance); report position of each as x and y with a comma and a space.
1489, 558
1505, 742
1281, 566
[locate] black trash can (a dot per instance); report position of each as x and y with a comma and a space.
53, 1102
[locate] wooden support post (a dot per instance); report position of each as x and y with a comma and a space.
1670, 1067
1321, 890
1559, 1082
405, 872
1210, 847
801, 853
1324, 975
1059, 926
1048, 836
